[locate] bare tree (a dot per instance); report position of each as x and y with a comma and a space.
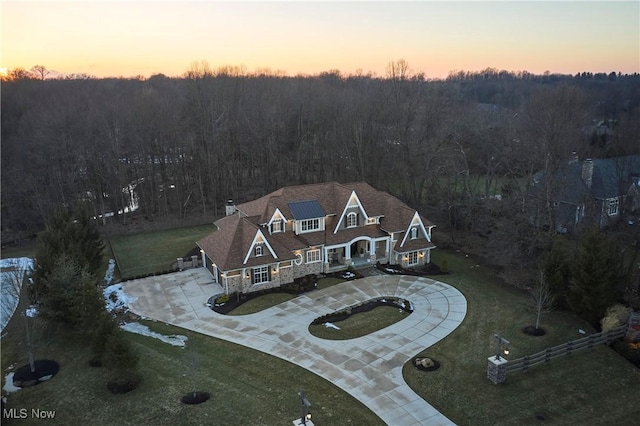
40, 71
543, 298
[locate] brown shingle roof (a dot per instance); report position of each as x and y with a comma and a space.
229, 245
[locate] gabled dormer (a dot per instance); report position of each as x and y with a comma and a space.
415, 230
277, 223
308, 216
259, 247
353, 214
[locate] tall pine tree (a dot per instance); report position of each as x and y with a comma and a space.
73, 237
596, 281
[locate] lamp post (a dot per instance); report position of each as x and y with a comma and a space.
305, 405
499, 342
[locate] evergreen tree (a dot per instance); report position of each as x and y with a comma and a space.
72, 296
596, 280
76, 239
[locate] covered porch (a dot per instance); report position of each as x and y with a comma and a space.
358, 253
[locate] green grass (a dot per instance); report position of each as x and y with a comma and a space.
246, 386
261, 302
591, 388
272, 299
26, 248
360, 324
153, 252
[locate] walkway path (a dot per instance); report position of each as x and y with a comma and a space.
369, 367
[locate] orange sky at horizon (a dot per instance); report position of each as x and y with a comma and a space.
112, 39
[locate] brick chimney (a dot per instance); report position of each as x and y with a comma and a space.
230, 208
587, 172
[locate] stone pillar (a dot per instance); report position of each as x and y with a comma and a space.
496, 369
194, 261
180, 264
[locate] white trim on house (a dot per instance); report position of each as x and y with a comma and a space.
277, 217
259, 239
299, 223
415, 222
352, 220
354, 201
260, 272
314, 252
613, 206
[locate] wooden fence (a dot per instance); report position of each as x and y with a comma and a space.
588, 342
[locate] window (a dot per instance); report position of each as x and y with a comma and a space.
276, 226
413, 258
313, 256
612, 209
352, 220
261, 275
414, 233
309, 225
259, 250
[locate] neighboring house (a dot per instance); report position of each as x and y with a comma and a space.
592, 192
312, 229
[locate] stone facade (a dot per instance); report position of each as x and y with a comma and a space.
496, 369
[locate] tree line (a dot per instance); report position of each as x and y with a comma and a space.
463, 150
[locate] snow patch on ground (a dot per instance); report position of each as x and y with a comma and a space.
136, 327
8, 384
20, 263
330, 325
108, 275
116, 299
8, 294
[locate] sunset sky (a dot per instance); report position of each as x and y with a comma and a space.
121, 38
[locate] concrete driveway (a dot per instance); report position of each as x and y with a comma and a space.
369, 367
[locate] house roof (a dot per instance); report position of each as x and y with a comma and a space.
302, 210
229, 245
610, 178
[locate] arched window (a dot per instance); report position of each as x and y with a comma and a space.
352, 220
414, 233
259, 250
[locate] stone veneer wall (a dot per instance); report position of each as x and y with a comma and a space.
243, 284
405, 263
307, 269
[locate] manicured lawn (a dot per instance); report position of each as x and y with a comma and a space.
154, 252
360, 324
592, 387
268, 300
246, 386
25, 249
261, 303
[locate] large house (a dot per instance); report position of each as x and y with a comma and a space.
596, 192
312, 229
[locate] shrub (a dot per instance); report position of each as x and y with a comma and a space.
119, 356
222, 299
615, 316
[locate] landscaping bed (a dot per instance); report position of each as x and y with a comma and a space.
361, 319
225, 303
428, 269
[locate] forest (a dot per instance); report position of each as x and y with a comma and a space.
462, 150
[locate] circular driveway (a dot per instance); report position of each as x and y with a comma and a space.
369, 368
